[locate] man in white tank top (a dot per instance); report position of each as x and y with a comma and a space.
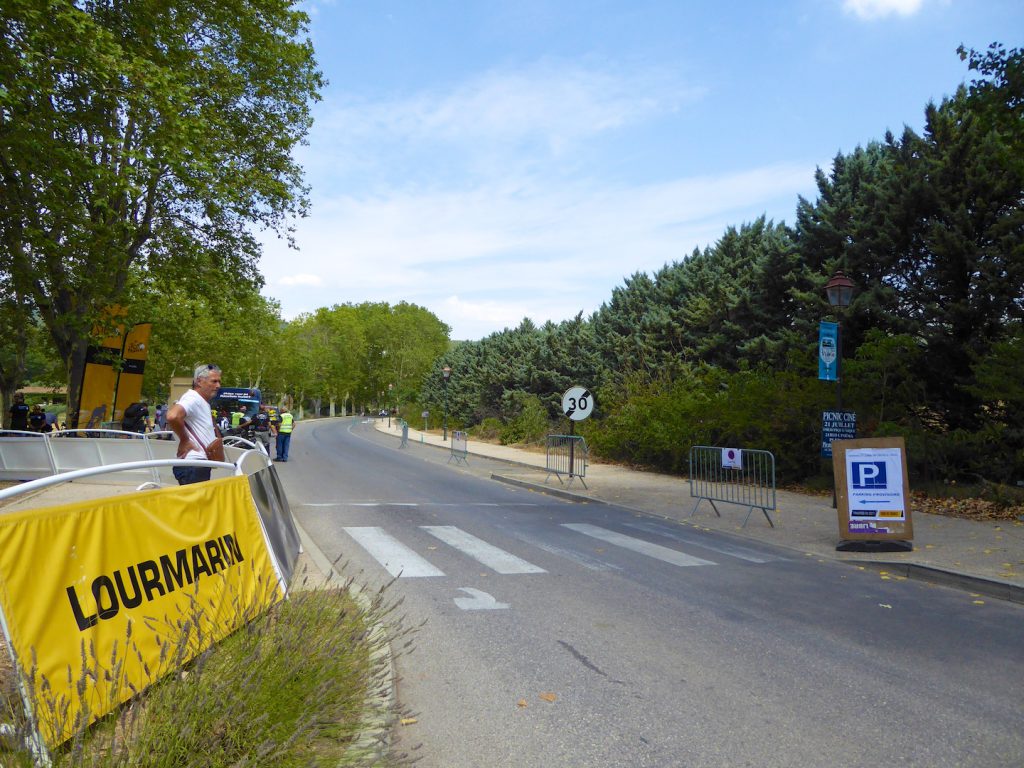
190, 419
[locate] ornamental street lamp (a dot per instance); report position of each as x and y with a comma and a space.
840, 292
446, 373
390, 388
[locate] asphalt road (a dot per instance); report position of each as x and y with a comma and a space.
562, 634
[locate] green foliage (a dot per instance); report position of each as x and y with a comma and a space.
488, 429
884, 380
530, 423
542, 361
998, 379
144, 137
350, 353
229, 324
655, 423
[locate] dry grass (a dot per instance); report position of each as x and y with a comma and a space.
291, 688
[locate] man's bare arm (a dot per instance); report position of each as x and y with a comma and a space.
176, 421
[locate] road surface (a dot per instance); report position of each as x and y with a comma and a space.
563, 634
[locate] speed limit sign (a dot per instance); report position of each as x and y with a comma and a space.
577, 403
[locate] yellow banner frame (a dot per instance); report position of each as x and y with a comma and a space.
102, 598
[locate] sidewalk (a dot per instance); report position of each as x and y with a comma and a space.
983, 557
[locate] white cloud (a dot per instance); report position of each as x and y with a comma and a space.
299, 279
550, 107
869, 10
485, 258
550, 98
482, 203
496, 315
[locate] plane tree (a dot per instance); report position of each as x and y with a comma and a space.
144, 137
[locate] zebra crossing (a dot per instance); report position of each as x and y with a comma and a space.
402, 561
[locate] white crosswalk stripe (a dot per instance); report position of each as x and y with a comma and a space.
732, 550
498, 560
397, 558
637, 545
402, 561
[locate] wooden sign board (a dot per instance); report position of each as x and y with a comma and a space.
872, 492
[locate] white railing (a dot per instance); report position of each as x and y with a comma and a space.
128, 466
31, 455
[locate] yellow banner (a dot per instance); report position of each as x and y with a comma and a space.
107, 596
99, 379
129, 382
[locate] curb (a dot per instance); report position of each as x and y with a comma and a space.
374, 740
954, 579
559, 492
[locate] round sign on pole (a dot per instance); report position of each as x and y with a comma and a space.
577, 403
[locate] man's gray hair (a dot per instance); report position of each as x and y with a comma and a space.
204, 371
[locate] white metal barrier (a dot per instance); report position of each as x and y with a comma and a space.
567, 455
32, 455
748, 479
460, 447
130, 466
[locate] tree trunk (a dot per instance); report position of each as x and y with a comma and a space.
76, 369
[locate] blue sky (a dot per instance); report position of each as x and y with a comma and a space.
494, 160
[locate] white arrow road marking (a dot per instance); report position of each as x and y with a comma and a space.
637, 545
479, 601
496, 559
397, 558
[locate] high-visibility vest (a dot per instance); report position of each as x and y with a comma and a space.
236, 419
286, 423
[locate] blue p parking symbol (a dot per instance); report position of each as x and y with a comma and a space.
869, 474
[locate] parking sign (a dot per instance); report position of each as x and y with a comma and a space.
868, 475
871, 490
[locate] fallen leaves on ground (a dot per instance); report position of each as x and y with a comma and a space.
971, 509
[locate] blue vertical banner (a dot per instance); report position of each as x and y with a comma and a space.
828, 351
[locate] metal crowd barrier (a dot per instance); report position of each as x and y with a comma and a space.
567, 455
78, 474
32, 455
751, 484
460, 447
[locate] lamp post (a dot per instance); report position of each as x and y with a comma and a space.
840, 292
390, 388
446, 373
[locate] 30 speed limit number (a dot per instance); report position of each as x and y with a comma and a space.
577, 403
